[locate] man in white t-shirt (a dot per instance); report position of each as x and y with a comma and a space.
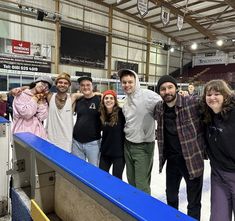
60, 117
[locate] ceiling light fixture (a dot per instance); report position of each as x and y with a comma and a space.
219, 42
194, 46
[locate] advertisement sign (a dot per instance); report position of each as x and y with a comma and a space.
205, 60
20, 47
24, 56
24, 64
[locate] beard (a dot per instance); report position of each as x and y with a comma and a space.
62, 89
168, 98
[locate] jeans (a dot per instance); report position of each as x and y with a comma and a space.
222, 195
176, 170
87, 151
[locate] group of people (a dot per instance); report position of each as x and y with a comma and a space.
189, 129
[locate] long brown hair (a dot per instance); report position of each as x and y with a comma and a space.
229, 100
109, 118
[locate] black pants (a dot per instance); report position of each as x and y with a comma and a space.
176, 170
118, 165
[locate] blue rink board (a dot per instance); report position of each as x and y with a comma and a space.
4, 120
135, 202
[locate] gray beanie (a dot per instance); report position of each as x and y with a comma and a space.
163, 79
44, 79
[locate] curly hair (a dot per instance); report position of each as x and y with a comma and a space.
228, 104
109, 118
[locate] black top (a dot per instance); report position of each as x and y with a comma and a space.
172, 145
220, 135
88, 126
112, 143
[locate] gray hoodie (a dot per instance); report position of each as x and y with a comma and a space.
138, 111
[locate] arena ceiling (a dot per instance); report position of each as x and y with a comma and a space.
205, 22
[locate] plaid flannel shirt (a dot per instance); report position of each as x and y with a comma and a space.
190, 133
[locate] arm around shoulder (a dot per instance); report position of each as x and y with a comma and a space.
152, 99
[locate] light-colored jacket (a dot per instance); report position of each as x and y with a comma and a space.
138, 111
28, 114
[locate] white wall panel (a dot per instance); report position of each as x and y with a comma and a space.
119, 41
119, 51
161, 70
15, 31
4, 27
162, 60
96, 18
174, 61
71, 12
138, 30
120, 25
153, 57
135, 54
38, 35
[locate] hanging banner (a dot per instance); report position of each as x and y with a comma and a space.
165, 16
142, 6
180, 22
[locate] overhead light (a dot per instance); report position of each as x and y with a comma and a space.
233, 40
194, 46
220, 42
172, 50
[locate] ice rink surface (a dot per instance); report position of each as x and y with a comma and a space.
158, 183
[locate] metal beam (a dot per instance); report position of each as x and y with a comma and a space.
230, 3
187, 18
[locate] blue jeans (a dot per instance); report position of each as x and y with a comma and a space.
87, 151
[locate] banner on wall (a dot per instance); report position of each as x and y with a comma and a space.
20, 47
209, 60
24, 56
24, 64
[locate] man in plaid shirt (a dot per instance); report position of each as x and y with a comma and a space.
180, 143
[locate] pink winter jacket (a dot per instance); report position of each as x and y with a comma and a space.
28, 115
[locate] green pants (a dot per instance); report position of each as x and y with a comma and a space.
139, 163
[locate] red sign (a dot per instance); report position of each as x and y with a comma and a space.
20, 47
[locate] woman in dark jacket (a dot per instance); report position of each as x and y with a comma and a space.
219, 118
112, 142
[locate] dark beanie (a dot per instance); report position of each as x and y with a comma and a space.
163, 79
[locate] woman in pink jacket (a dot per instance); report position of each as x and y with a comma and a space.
30, 108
